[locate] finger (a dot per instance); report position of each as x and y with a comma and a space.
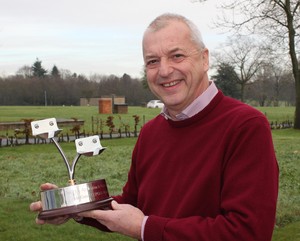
87, 214
35, 206
58, 220
95, 214
47, 186
40, 221
115, 205
77, 218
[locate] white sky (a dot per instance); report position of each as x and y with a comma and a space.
89, 36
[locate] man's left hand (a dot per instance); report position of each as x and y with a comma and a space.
123, 218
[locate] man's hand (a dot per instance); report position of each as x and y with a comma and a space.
37, 207
124, 219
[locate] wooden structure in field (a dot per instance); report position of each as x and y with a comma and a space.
107, 104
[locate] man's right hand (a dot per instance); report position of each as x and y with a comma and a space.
37, 207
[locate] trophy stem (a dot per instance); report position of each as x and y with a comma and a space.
65, 159
72, 169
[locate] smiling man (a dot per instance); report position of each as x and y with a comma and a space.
176, 64
202, 170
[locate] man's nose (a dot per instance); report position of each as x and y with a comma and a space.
165, 67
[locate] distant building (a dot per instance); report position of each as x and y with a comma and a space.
107, 104
95, 101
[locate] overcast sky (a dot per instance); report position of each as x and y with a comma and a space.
89, 36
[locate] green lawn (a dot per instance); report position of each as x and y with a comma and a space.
91, 115
24, 167
92, 119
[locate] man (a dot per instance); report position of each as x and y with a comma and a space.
204, 169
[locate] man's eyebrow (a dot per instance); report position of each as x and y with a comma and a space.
150, 56
172, 51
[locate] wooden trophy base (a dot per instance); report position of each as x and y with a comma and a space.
73, 210
71, 200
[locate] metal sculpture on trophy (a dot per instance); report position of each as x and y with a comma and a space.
74, 198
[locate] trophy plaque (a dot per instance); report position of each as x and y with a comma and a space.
74, 198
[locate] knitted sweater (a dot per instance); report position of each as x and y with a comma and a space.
212, 177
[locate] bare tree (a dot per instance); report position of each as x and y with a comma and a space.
24, 71
268, 85
246, 56
277, 20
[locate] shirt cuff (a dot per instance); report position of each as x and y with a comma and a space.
143, 227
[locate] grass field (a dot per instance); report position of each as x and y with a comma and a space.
87, 113
24, 167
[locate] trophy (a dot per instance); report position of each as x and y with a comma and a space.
74, 198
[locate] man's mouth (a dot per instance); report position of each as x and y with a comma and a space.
170, 84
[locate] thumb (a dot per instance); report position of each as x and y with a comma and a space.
47, 186
115, 205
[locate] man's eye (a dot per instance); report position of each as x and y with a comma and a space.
152, 62
178, 56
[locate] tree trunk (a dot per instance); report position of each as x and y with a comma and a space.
297, 110
242, 92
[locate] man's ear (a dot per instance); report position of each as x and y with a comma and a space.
205, 58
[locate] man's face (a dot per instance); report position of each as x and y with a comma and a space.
176, 69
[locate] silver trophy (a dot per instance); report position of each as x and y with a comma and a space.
74, 198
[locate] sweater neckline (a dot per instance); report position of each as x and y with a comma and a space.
186, 122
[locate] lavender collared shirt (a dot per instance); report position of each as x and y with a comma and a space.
195, 107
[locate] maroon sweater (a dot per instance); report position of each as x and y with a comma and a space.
212, 177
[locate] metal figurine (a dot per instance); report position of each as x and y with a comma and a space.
74, 198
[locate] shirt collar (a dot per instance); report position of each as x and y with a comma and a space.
196, 106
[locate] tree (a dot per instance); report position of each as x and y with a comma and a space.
55, 71
144, 79
264, 88
276, 20
287, 91
25, 71
246, 57
37, 69
226, 80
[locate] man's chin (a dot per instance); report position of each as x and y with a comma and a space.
172, 104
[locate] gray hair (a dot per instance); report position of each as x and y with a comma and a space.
164, 19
